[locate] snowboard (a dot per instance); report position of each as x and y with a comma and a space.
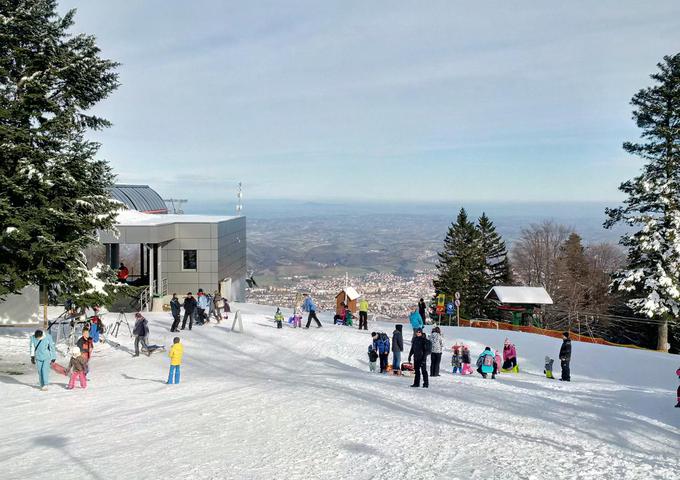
58, 368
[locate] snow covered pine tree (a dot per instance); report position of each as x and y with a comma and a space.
53, 193
652, 276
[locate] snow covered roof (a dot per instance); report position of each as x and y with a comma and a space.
133, 218
139, 197
520, 295
351, 293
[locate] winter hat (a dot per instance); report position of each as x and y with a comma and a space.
175, 340
75, 352
565, 334
507, 341
547, 359
373, 334
38, 333
399, 326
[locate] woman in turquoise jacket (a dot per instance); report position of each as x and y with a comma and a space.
43, 353
415, 319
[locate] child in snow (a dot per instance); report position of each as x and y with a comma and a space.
76, 368
549, 367
499, 363
278, 318
175, 354
456, 359
297, 318
510, 357
486, 363
372, 359
465, 358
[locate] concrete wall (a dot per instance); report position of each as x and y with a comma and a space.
24, 308
231, 255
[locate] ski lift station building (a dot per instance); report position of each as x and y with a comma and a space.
522, 302
178, 253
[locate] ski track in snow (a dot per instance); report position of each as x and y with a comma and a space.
301, 404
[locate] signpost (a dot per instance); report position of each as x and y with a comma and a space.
441, 300
449, 311
457, 302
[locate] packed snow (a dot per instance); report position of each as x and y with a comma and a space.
301, 404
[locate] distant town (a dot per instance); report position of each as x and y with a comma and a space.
389, 296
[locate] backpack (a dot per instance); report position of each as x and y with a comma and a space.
427, 346
488, 360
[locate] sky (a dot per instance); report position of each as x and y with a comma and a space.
381, 101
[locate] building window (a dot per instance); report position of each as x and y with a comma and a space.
189, 260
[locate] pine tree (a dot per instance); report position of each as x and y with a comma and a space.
573, 273
461, 265
497, 271
53, 192
652, 276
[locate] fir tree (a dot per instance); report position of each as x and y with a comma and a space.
652, 276
497, 271
53, 192
461, 265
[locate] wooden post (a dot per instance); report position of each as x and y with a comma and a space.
45, 322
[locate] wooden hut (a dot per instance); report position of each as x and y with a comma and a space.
349, 297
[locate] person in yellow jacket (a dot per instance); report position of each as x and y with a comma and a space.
176, 352
363, 313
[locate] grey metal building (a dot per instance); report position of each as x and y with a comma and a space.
179, 253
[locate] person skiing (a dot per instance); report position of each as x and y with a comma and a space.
189, 308
422, 310
397, 347
416, 320
437, 347
175, 354
43, 354
565, 357
141, 333
486, 363
510, 357
363, 314
309, 306
381, 343
76, 369
420, 349
175, 309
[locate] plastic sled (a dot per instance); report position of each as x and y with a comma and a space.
58, 368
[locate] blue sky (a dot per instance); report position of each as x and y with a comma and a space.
377, 101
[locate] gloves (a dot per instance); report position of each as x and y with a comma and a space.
53, 361
33, 360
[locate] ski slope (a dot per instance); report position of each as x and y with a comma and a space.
301, 404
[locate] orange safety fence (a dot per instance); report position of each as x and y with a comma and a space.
492, 324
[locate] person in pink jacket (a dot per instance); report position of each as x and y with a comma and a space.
509, 357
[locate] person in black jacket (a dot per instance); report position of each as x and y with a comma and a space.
189, 307
397, 347
141, 333
422, 309
565, 357
420, 349
175, 308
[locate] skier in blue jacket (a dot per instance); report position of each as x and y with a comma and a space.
43, 353
415, 319
381, 343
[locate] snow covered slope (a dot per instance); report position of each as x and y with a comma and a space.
300, 404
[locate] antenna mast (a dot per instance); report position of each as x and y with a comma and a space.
239, 197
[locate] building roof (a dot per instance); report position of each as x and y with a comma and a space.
520, 295
351, 293
139, 197
132, 218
